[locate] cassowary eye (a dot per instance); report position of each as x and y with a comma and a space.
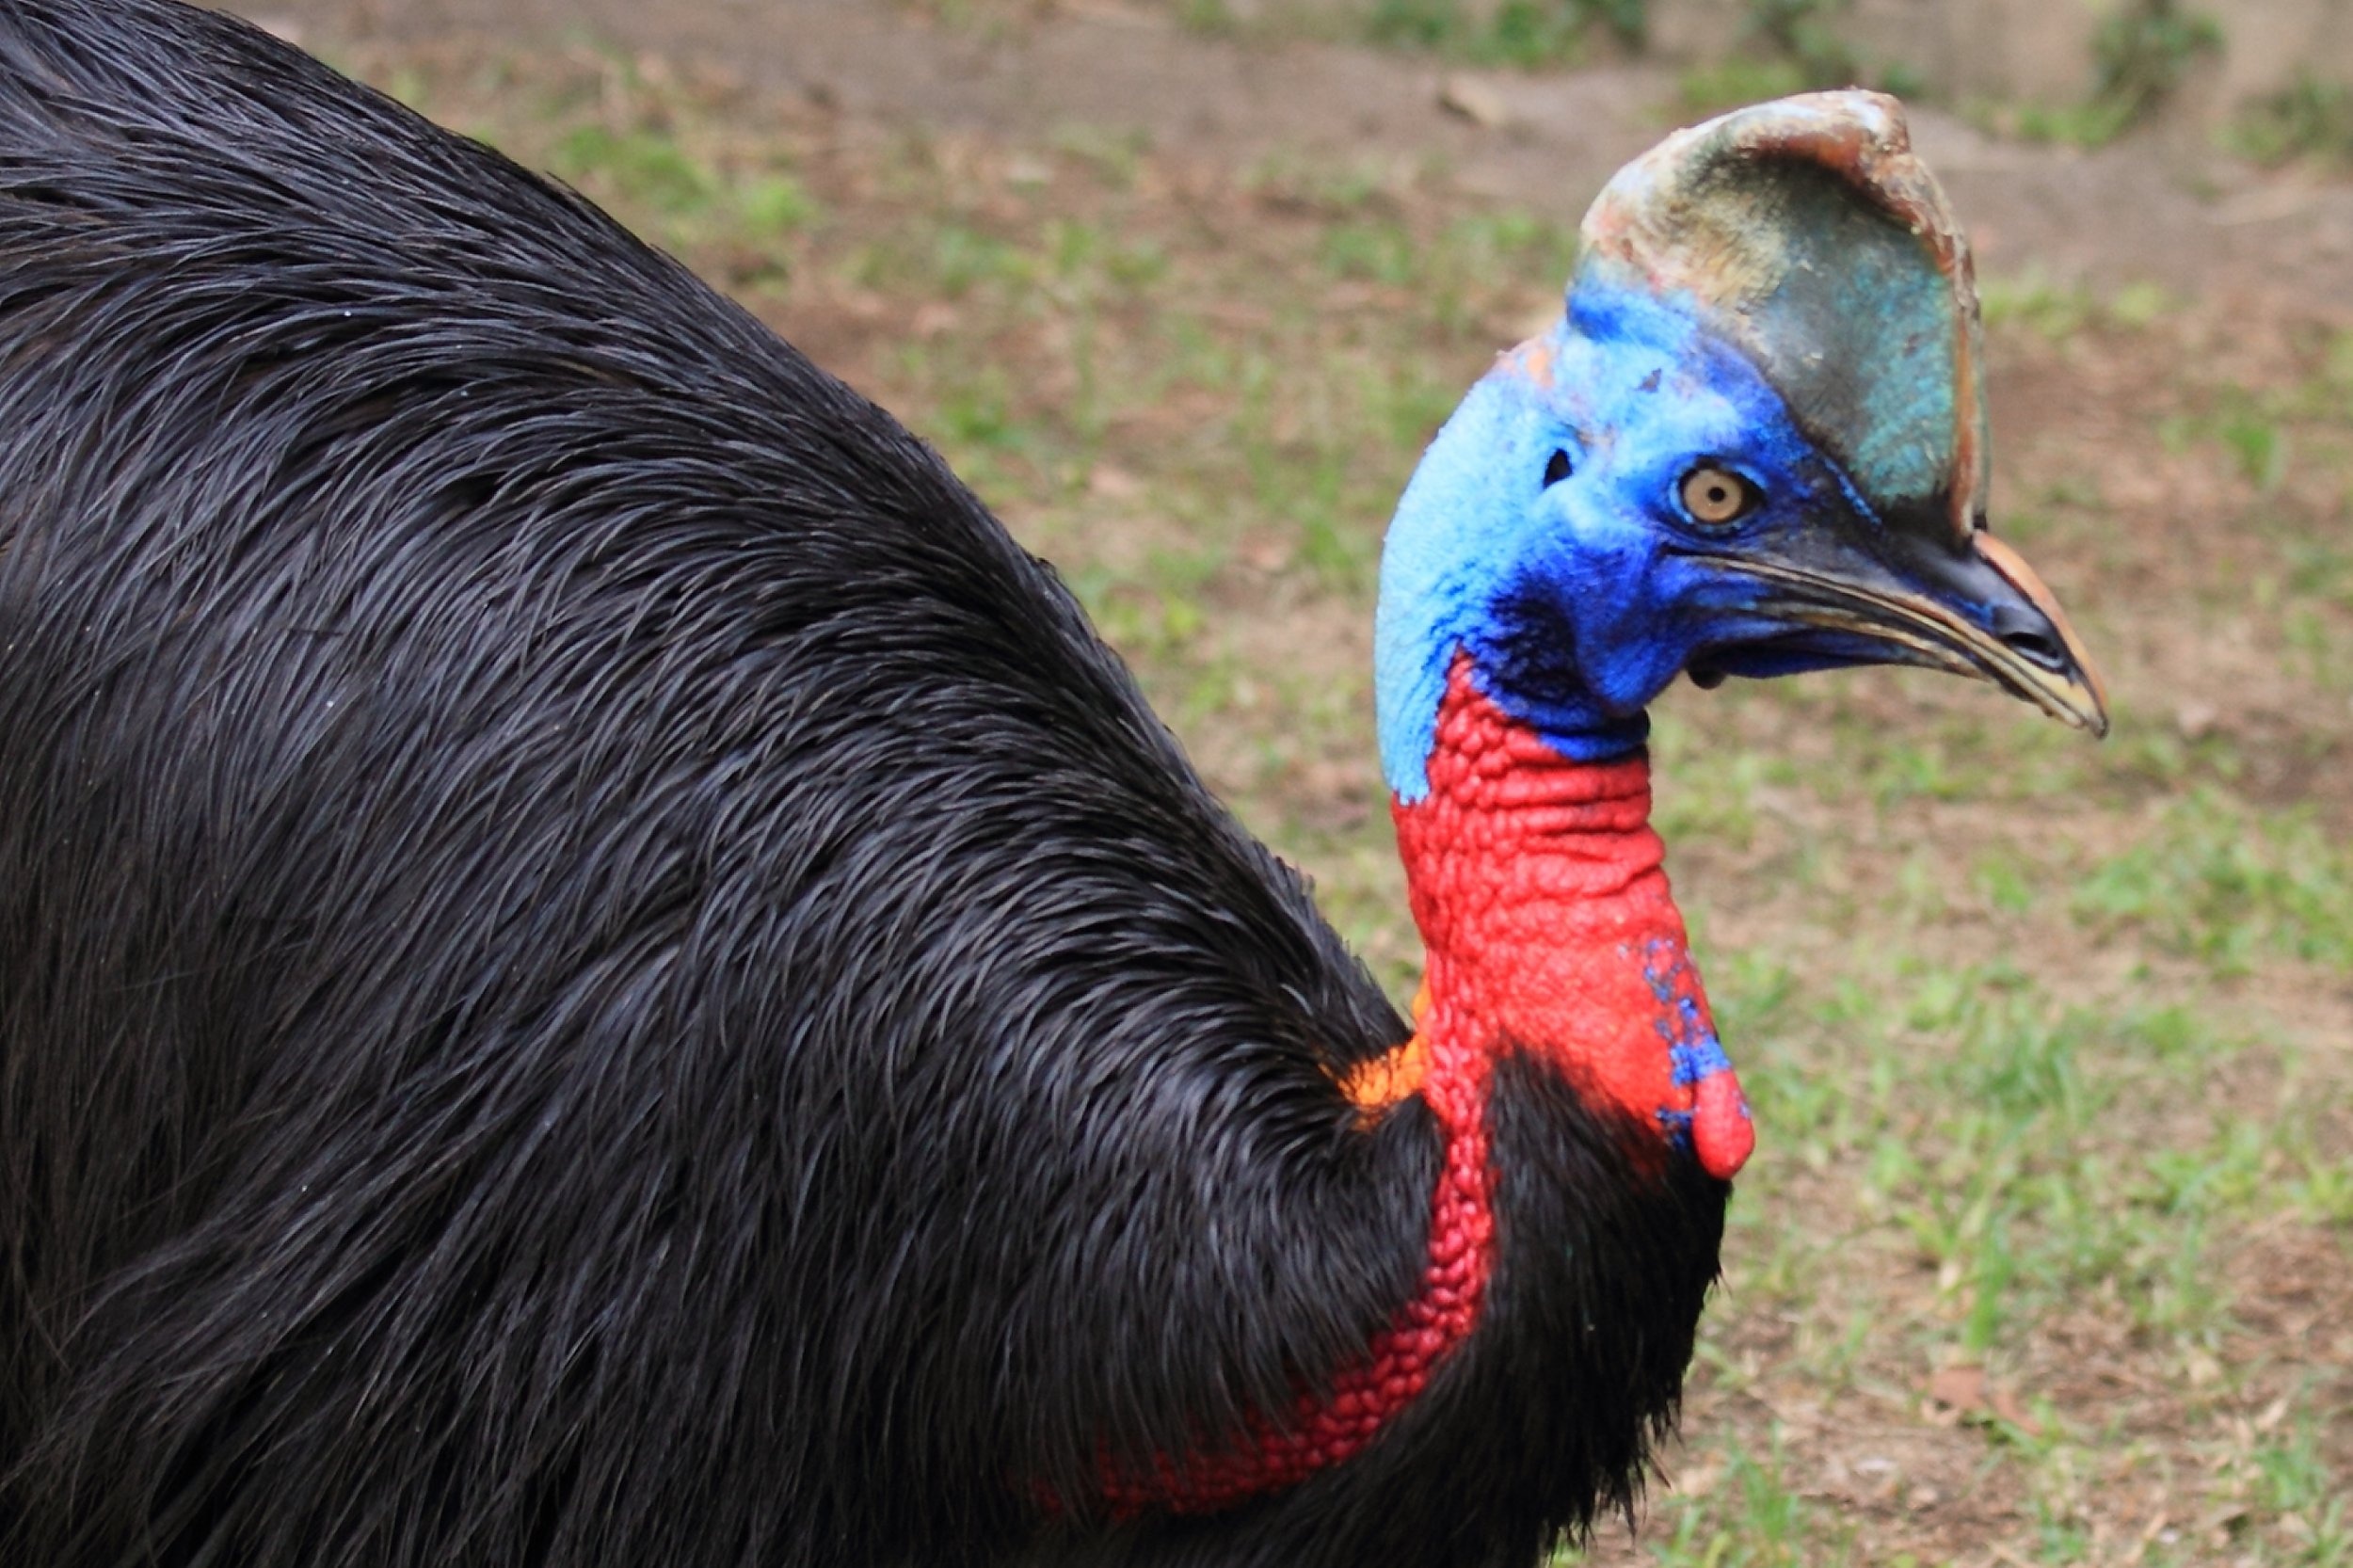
1556, 468
1716, 496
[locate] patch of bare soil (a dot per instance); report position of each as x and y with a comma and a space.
2153, 209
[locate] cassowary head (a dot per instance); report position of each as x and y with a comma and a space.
1755, 444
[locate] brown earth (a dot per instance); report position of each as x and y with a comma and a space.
2155, 209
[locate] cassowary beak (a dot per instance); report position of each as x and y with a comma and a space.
1974, 608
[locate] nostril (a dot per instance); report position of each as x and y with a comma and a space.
2030, 636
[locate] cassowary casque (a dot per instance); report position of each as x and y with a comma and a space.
596, 969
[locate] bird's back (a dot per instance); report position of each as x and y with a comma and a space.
590, 957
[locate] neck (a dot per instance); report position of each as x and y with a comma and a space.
1536, 882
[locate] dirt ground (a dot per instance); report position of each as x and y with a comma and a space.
2153, 209
2047, 1254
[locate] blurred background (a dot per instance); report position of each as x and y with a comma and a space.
2046, 1254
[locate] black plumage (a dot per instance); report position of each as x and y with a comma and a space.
597, 968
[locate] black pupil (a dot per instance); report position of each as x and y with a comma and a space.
1557, 469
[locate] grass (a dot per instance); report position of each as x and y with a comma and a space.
2310, 119
2142, 52
2213, 880
1522, 34
1785, 46
2051, 1044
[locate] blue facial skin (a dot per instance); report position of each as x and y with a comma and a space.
1580, 600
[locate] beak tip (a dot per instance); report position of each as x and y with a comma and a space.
2076, 697
2080, 702
2084, 704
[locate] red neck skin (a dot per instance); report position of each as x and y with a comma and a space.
1538, 887
1536, 882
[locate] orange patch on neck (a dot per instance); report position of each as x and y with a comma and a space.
1377, 1084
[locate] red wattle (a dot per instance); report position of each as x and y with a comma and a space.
1723, 1135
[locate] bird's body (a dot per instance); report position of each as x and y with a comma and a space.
596, 969
575, 894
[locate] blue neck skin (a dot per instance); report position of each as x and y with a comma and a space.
1577, 598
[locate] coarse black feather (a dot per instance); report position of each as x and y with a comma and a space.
1547, 1415
597, 968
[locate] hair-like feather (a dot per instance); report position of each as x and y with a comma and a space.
596, 969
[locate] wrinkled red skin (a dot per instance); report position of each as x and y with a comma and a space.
1538, 887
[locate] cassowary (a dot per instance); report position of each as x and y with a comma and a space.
597, 969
